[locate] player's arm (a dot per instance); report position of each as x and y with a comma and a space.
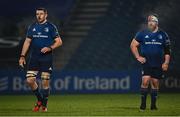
57, 43
134, 48
25, 48
57, 40
167, 56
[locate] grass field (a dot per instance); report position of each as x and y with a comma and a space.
89, 105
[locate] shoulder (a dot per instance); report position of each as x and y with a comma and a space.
145, 31
163, 35
32, 25
142, 33
162, 32
51, 25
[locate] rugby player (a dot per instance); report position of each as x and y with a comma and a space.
43, 37
154, 55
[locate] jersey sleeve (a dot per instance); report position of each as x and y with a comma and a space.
138, 37
29, 32
167, 40
167, 44
54, 32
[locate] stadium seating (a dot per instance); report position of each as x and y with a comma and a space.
15, 20
101, 42
107, 45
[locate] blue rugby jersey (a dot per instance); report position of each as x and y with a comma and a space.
152, 46
42, 35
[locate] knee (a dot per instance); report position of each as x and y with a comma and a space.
155, 86
45, 76
145, 84
30, 80
31, 76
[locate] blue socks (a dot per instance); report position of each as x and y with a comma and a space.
38, 94
45, 93
144, 92
154, 94
43, 97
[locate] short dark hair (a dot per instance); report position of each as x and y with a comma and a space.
42, 8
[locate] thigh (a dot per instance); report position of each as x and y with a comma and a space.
33, 65
146, 77
145, 81
146, 71
157, 73
46, 66
154, 83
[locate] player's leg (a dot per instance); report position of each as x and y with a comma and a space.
31, 81
146, 76
154, 92
46, 69
156, 75
33, 68
144, 91
45, 76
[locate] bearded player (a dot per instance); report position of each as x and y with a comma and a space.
154, 56
43, 38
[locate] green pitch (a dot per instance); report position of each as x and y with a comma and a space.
88, 105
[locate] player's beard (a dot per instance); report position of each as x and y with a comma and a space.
41, 20
152, 27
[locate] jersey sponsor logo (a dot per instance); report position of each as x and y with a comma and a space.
153, 43
39, 34
147, 36
43, 36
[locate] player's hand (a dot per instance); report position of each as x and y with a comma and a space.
141, 59
165, 66
22, 61
46, 49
